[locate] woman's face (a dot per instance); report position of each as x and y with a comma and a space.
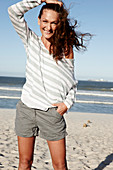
48, 23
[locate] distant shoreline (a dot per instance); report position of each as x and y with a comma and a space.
94, 80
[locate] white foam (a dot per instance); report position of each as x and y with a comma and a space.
9, 97
10, 89
94, 102
95, 94
77, 101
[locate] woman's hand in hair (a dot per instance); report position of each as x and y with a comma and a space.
53, 2
62, 108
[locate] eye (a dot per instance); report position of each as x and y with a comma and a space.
54, 23
45, 21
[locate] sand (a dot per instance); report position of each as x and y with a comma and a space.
88, 148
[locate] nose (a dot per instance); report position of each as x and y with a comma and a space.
49, 26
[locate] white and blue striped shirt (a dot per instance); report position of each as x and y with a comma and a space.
46, 81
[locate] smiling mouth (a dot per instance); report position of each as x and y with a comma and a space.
47, 32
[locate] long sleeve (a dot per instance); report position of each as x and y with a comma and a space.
40, 90
16, 14
71, 96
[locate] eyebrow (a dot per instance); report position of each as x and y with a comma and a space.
51, 21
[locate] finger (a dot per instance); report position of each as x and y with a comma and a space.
55, 104
60, 3
60, 110
55, 2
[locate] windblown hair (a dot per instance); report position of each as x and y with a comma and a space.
65, 36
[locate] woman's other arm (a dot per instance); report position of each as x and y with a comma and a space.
71, 96
68, 102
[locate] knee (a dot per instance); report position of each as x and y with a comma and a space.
25, 164
60, 166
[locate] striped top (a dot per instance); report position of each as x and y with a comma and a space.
46, 81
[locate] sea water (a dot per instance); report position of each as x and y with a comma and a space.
91, 96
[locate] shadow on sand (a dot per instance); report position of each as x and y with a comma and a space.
106, 162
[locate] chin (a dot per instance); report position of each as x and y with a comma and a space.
47, 36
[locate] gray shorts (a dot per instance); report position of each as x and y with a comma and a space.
49, 124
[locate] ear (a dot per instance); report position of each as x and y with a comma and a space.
38, 21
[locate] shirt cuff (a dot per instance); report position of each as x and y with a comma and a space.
69, 105
39, 1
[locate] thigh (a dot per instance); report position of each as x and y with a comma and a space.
25, 122
57, 151
51, 124
26, 148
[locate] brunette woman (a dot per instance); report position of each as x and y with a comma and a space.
49, 91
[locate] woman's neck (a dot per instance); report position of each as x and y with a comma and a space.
46, 43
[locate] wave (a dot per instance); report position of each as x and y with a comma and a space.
96, 89
9, 97
77, 101
78, 93
94, 94
94, 102
10, 89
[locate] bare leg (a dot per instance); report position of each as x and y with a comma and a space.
58, 154
26, 150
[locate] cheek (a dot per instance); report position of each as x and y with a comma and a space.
42, 25
54, 27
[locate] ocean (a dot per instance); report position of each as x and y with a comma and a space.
92, 96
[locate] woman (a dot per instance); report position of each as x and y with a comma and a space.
50, 86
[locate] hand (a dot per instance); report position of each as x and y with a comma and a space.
53, 2
62, 108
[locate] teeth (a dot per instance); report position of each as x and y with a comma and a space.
48, 32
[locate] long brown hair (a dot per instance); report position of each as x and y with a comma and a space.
65, 36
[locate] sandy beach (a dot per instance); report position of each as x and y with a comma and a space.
88, 148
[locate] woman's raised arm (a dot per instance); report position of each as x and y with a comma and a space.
16, 14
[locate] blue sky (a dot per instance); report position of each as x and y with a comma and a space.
93, 16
